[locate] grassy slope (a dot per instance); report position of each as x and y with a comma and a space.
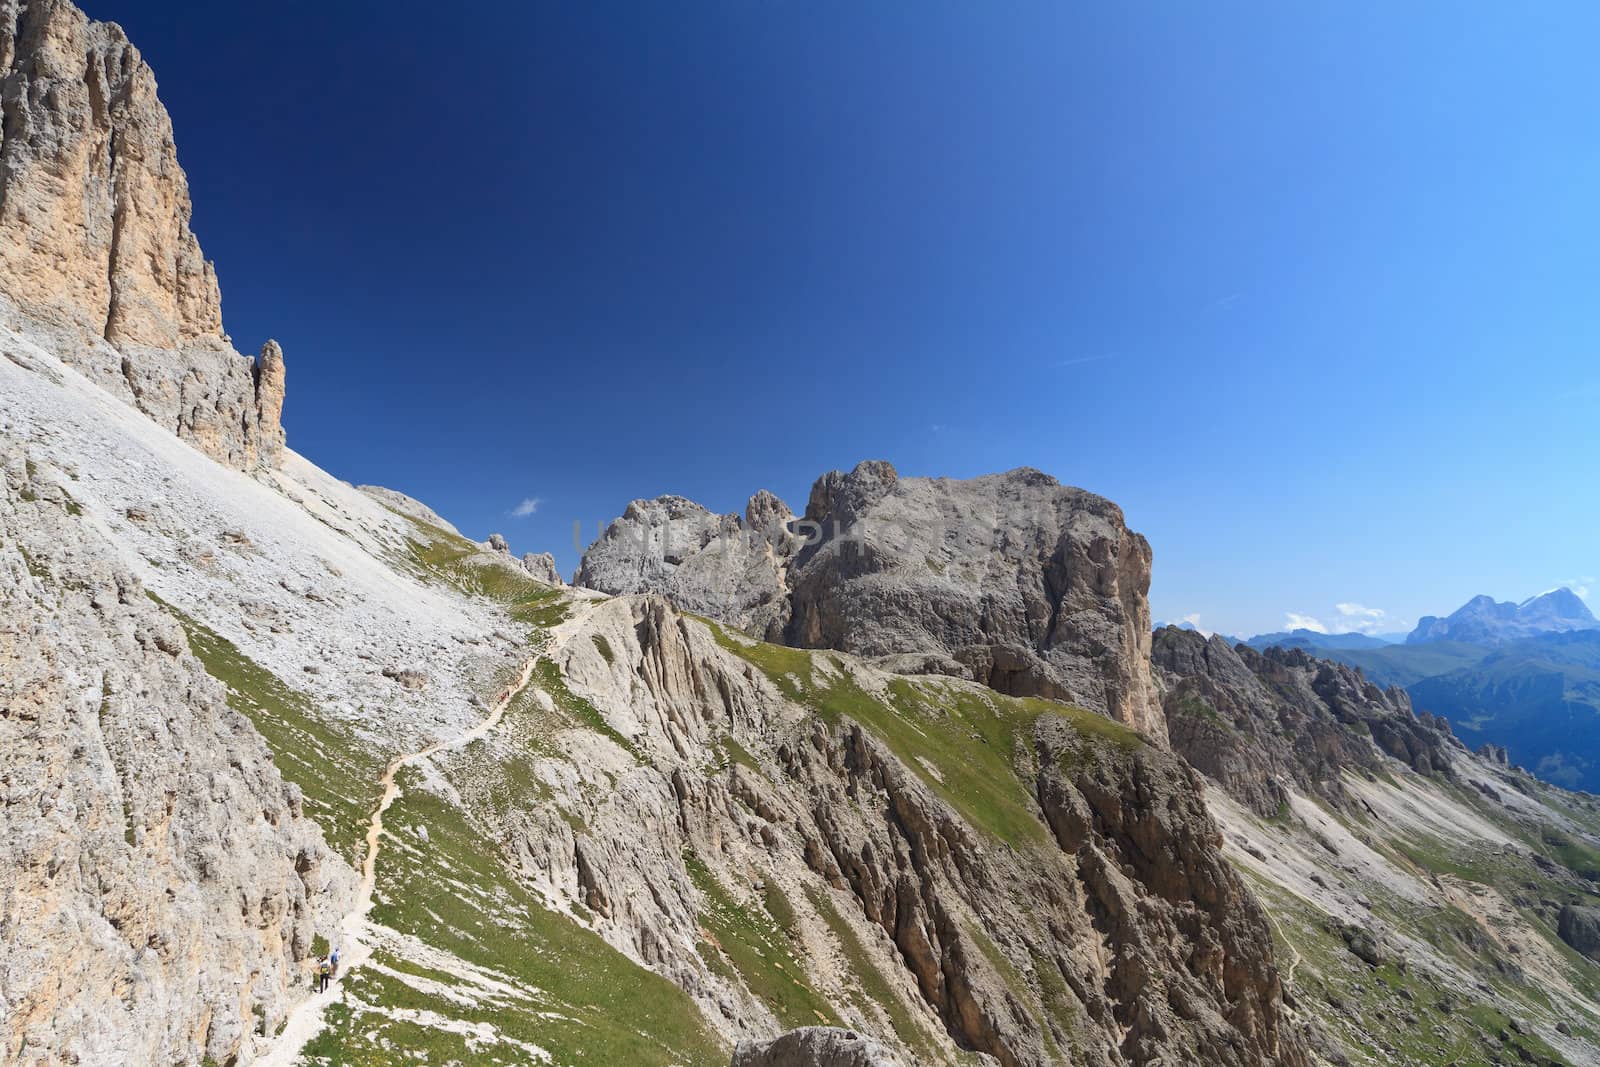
1409, 1016
965, 745
585, 1003
582, 1001
971, 747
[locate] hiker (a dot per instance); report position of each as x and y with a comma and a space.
324, 972
334, 959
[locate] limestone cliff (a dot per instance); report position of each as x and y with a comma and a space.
95, 243
727, 567
1012, 580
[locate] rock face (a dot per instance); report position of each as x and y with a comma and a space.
1101, 926
542, 566
95, 243
1580, 928
1255, 720
814, 1046
161, 884
1013, 580
727, 567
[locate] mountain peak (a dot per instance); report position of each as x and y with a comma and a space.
1484, 620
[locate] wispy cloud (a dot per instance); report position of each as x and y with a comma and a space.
1193, 619
1348, 618
1359, 618
1222, 303
1078, 361
528, 506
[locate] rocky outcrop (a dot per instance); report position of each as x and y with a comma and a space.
1012, 580
1108, 930
1580, 927
160, 884
814, 1046
1255, 721
727, 567
95, 244
1036, 588
542, 567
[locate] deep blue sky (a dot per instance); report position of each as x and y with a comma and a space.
1310, 290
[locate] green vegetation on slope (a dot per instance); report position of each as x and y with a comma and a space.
439, 555
573, 996
969, 746
336, 773
756, 946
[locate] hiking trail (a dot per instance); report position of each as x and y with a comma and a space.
305, 1021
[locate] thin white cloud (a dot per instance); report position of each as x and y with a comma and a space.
1193, 619
1079, 360
1358, 618
528, 506
1293, 620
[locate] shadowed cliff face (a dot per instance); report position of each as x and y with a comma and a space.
95, 244
1012, 580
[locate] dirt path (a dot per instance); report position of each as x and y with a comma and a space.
305, 1021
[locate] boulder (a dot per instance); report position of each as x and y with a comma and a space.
814, 1046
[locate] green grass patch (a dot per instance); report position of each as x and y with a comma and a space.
577, 711
971, 747
584, 1002
755, 946
438, 555
337, 773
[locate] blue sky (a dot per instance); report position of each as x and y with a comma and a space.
1309, 290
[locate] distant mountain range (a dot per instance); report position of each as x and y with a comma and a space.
1525, 676
1316, 640
1486, 621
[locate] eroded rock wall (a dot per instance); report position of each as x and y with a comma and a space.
1012, 580
160, 884
95, 245
1112, 933
1257, 721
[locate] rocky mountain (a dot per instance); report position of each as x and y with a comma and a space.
1259, 722
96, 253
1315, 639
1539, 698
251, 713
1011, 580
1433, 904
1486, 621
730, 568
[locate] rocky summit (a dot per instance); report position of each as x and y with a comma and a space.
905, 778
95, 246
1012, 580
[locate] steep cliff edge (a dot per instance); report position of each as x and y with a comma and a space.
96, 253
1011, 580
